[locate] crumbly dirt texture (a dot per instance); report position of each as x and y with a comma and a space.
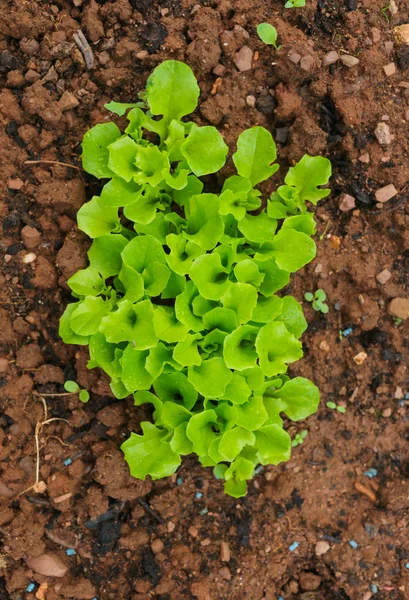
183, 539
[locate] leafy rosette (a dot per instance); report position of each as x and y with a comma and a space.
179, 302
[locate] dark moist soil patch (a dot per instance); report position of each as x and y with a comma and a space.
138, 540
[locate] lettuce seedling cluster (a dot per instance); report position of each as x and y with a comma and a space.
179, 302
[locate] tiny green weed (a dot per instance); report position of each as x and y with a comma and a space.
334, 406
299, 438
318, 300
268, 34
74, 388
294, 4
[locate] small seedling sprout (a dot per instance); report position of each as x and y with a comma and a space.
294, 4
268, 34
318, 300
334, 406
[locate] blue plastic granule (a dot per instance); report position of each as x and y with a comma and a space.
30, 587
70, 552
353, 544
68, 462
371, 473
199, 495
293, 546
374, 588
179, 481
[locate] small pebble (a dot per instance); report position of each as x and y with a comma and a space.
360, 358
307, 63
383, 134
293, 546
376, 35
371, 473
251, 101
225, 552
353, 544
330, 58
365, 158
386, 193
203, 512
29, 258
346, 203
30, 588
349, 61
387, 412
193, 531
15, 184
321, 548
225, 573
295, 58
398, 395
390, 69
384, 276
68, 462
157, 546
70, 552
399, 307
244, 59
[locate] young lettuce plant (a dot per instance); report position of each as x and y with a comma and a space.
179, 302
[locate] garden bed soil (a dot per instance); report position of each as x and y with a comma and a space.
182, 538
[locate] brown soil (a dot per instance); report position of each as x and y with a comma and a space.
183, 538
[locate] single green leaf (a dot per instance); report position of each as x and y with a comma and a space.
239, 348
133, 283
172, 90
246, 271
131, 323
71, 386
96, 220
276, 347
167, 327
103, 354
160, 359
86, 282
120, 108
204, 223
118, 192
105, 254
303, 223
83, 396
273, 444
267, 309
144, 209
242, 299
238, 390
175, 388
309, 173
274, 277
268, 34
224, 319
252, 414
210, 277
200, 431
87, 316
182, 253
135, 376
292, 316
233, 441
186, 352
211, 377
184, 307
258, 228
122, 154
153, 163
180, 443
299, 398
256, 151
204, 150
150, 454
236, 475
95, 152
292, 249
